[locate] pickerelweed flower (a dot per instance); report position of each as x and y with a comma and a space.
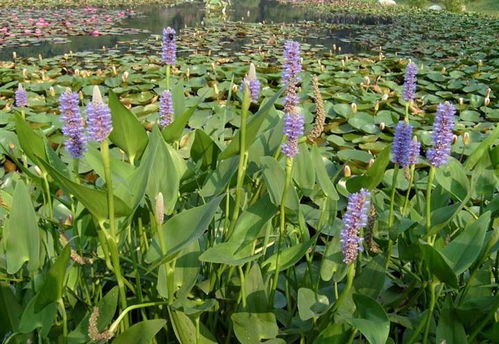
99, 122
292, 62
414, 151
293, 130
165, 108
442, 134
409, 88
169, 52
72, 126
402, 144
21, 96
253, 84
354, 219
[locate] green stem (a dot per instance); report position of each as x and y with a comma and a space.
64, 320
113, 239
431, 176
406, 118
76, 170
241, 171
411, 181
430, 311
346, 290
168, 67
115, 324
282, 226
49, 197
243, 286
390, 216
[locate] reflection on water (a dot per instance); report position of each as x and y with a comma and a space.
155, 18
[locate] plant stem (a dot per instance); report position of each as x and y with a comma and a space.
433, 285
76, 169
406, 118
64, 320
49, 197
282, 226
168, 76
431, 176
243, 286
390, 216
113, 239
241, 171
346, 290
115, 324
411, 181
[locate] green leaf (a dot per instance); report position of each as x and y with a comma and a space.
218, 179
182, 229
371, 279
251, 221
94, 200
31, 143
256, 292
311, 305
184, 330
252, 127
229, 253
274, 177
335, 333
449, 328
453, 179
322, 176
107, 307
303, 174
31, 320
52, 288
205, 149
333, 260
475, 157
438, 266
251, 328
128, 133
371, 319
141, 333
22, 235
289, 256
374, 174
10, 310
466, 247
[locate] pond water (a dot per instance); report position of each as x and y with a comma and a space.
155, 18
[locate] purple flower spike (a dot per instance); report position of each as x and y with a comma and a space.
21, 97
414, 151
165, 108
442, 135
402, 144
354, 219
99, 123
409, 88
72, 125
293, 129
253, 84
169, 53
292, 62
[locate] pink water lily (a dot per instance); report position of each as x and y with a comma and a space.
95, 33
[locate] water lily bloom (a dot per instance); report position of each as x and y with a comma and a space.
354, 219
409, 88
165, 108
401, 146
293, 130
21, 96
292, 62
253, 84
442, 135
72, 124
99, 123
169, 52
95, 33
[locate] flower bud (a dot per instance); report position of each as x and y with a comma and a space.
188, 73
115, 72
40, 57
213, 67
160, 209
38, 170
77, 72
14, 55
454, 139
354, 107
215, 89
25, 73
466, 138
486, 101
487, 93
52, 91
124, 77
461, 101
370, 163
385, 97
347, 172
382, 126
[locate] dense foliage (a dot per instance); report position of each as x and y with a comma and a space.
202, 200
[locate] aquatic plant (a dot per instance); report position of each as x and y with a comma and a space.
72, 126
442, 135
99, 123
354, 220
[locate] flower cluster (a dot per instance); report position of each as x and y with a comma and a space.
169, 52
402, 144
442, 135
253, 84
292, 62
165, 108
21, 96
414, 151
409, 88
98, 118
293, 129
72, 124
354, 219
